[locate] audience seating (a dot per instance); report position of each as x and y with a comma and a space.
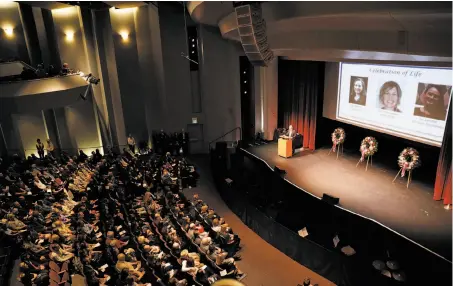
111, 220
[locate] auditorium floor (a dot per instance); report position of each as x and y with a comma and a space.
264, 264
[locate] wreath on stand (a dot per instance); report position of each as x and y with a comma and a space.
368, 147
338, 137
408, 160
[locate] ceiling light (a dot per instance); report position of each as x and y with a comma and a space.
124, 35
69, 35
8, 31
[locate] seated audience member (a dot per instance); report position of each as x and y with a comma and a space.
52, 71
27, 74
76, 221
40, 71
65, 69
50, 148
123, 264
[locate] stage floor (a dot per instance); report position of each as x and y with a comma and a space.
410, 212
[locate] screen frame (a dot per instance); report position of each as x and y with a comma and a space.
380, 129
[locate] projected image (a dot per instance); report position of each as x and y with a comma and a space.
357, 91
432, 101
390, 96
406, 101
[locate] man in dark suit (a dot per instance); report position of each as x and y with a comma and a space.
290, 135
162, 141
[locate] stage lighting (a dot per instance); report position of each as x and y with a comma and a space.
90, 78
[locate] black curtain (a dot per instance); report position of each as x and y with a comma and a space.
300, 92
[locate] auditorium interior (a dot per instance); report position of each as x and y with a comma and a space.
230, 143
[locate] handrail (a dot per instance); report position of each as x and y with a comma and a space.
234, 129
28, 66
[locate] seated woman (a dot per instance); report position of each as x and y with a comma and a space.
123, 264
216, 225
62, 229
56, 245
61, 255
188, 264
14, 224
117, 243
228, 264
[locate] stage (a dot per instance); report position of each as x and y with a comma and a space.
409, 212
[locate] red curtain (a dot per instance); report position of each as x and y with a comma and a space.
442, 186
300, 84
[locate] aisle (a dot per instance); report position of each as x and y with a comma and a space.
264, 264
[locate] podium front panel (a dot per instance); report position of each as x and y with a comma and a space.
285, 148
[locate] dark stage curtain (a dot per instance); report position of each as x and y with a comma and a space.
442, 187
300, 86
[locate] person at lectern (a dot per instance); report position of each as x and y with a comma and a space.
290, 135
357, 93
432, 99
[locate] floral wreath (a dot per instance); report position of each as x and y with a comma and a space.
338, 137
368, 147
408, 160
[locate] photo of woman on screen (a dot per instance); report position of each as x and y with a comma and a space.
390, 96
432, 99
357, 90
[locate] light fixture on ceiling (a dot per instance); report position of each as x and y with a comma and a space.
9, 31
124, 35
69, 35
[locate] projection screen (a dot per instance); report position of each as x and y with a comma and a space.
405, 101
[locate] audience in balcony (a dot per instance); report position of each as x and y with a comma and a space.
40, 71
29, 73
65, 70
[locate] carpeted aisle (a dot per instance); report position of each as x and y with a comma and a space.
264, 264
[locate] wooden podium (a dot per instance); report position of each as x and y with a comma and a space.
285, 147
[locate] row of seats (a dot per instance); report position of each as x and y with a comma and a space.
108, 220
5, 264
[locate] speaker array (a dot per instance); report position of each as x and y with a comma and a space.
252, 32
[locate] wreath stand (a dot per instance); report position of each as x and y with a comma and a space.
338, 149
409, 178
368, 159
